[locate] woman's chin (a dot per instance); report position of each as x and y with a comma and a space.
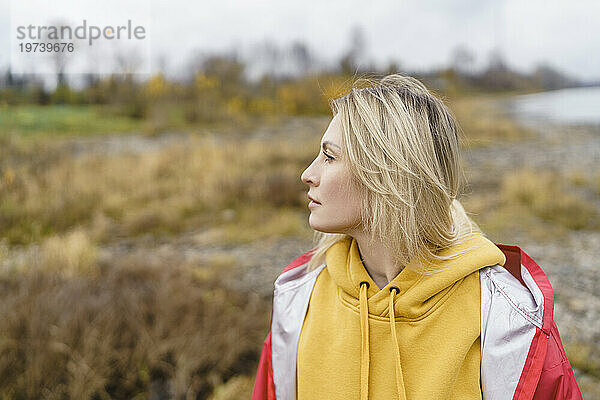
316, 225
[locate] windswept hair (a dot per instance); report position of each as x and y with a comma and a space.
401, 145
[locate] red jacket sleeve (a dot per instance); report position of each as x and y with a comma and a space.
557, 380
264, 388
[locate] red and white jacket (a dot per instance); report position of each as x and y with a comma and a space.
522, 356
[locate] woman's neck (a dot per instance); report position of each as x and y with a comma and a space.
378, 261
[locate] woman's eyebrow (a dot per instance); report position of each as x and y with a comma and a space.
328, 143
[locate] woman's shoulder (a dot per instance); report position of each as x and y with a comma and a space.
522, 284
297, 273
299, 261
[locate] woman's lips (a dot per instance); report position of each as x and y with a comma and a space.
313, 204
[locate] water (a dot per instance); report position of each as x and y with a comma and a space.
571, 106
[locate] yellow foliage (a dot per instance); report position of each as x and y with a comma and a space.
287, 99
262, 105
156, 86
204, 82
9, 176
235, 105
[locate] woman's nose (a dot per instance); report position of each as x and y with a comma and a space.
308, 177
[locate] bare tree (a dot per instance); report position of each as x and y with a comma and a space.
128, 61
267, 57
301, 57
60, 58
462, 59
496, 61
356, 51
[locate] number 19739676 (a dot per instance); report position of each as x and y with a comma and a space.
38, 47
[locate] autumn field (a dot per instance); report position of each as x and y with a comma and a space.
123, 234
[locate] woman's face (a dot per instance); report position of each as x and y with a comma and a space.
328, 180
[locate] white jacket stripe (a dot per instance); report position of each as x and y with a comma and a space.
290, 302
510, 315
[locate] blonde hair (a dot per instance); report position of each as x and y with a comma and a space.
401, 144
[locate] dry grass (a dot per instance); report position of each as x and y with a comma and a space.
71, 254
548, 197
578, 178
484, 123
585, 358
46, 191
179, 188
543, 204
136, 330
74, 327
239, 387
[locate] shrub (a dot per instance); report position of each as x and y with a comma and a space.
140, 329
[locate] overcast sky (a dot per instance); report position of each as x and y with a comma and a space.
418, 34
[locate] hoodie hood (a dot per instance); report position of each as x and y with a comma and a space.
417, 293
410, 296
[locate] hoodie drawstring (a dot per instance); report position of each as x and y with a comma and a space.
364, 333
399, 378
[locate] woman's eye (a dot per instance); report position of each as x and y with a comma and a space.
328, 157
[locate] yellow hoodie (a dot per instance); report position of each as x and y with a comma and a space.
428, 348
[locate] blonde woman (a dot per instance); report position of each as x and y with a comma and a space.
403, 296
